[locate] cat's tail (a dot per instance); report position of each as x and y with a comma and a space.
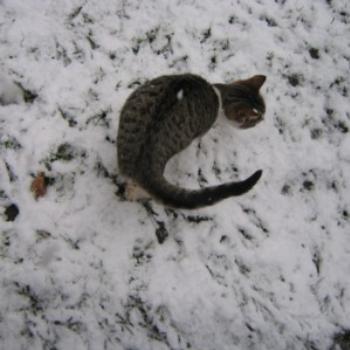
181, 198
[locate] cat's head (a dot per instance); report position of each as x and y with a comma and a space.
242, 103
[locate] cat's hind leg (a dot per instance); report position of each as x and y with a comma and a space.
134, 192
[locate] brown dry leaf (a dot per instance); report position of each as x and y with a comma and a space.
39, 185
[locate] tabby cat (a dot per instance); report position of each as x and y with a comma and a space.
163, 116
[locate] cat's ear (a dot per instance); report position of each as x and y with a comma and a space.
256, 82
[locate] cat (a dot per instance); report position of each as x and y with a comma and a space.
163, 116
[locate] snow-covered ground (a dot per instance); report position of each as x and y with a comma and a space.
82, 269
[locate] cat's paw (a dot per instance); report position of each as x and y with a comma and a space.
133, 192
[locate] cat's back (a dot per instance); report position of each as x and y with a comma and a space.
149, 101
150, 104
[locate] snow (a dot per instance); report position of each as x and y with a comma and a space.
83, 269
10, 93
180, 95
